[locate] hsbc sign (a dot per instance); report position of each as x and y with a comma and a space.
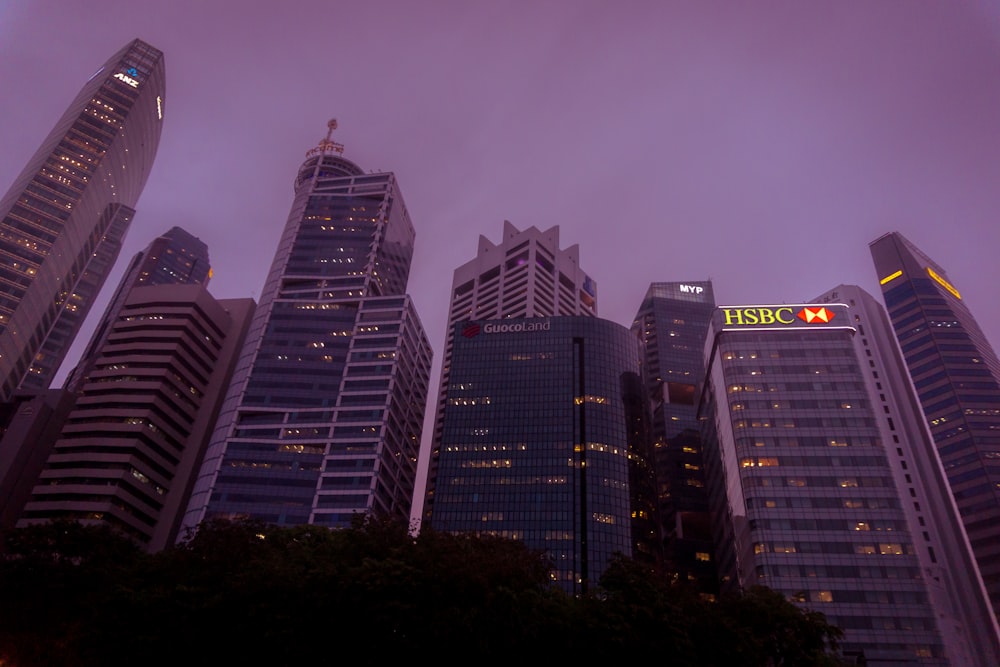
804, 316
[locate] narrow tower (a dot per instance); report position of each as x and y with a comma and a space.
63, 221
957, 377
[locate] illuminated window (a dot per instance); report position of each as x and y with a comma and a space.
890, 549
822, 596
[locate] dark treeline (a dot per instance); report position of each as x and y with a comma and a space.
245, 593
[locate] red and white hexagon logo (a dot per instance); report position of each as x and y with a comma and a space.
813, 315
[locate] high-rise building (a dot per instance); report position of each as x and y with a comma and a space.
130, 447
544, 441
173, 258
948, 565
63, 220
323, 418
673, 322
957, 377
820, 488
526, 275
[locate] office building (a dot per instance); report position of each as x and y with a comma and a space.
323, 418
129, 449
544, 440
63, 220
957, 377
673, 322
527, 274
176, 257
820, 491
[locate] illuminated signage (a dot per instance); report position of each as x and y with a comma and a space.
121, 76
692, 289
781, 316
943, 283
891, 276
472, 329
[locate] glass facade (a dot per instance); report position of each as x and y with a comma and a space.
801, 484
63, 221
544, 440
527, 274
673, 322
324, 415
957, 377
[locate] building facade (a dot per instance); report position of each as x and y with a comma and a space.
323, 418
128, 450
544, 440
527, 274
673, 322
176, 257
810, 491
957, 377
63, 221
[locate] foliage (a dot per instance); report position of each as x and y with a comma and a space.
246, 592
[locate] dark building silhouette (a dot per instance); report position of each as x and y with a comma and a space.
63, 220
957, 377
323, 418
544, 440
673, 322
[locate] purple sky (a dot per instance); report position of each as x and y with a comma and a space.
761, 145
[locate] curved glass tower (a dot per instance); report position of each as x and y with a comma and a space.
544, 439
63, 221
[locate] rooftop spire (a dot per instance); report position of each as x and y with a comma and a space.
327, 145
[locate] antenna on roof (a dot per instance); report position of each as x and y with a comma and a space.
327, 145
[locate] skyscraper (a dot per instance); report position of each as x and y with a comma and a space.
173, 258
957, 377
129, 379
323, 418
130, 447
63, 220
544, 440
673, 322
526, 275
820, 495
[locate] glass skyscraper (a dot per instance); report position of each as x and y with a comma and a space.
63, 221
323, 418
673, 322
820, 490
544, 440
957, 377
527, 274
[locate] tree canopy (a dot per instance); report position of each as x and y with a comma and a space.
250, 593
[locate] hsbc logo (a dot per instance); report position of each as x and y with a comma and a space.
776, 315
810, 315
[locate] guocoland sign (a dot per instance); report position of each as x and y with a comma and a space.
473, 329
797, 316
